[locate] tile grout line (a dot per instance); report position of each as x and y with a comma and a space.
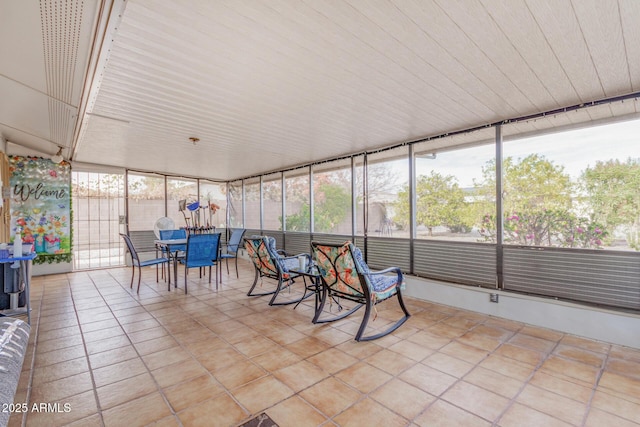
86, 352
133, 345
594, 389
460, 379
33, 358
513, 400
180, 344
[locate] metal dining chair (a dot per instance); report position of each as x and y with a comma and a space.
230, 250
202, 251
135, 261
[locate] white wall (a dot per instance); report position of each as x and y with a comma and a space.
589, 322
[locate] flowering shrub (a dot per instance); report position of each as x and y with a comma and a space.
546, 227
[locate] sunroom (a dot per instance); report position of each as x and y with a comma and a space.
489, 149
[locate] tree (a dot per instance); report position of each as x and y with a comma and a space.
299, 221
613, 195
440, 202
531, 183
538, 206
333, 195
332, 202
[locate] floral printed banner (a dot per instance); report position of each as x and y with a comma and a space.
40, 203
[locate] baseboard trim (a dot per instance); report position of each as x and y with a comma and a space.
582, 320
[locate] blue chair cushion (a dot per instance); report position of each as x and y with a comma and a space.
286, 263
289, 264
382, 285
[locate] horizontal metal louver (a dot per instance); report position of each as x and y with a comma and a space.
466, 263
252, 232
334, 239
278, 235
601, 277
297, 243
223, 235
385, 252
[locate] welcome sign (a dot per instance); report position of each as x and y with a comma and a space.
40, 205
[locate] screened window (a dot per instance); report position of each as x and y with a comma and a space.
272, 202
388, 201
187, 190
298, 208
359, 196
146, 200
252, 204
332, 198
455, 194
214, 195
235, 205
574, 189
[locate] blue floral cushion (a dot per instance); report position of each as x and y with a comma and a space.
286, 263
382, 285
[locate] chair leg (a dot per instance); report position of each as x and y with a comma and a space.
168, 275
290, 282
133, 273
275, 294
319, 309
210, 274
392, 328
365, 320
226, 261
255, 283
402, 306
237, 275
139, 277
185, 278
316, 318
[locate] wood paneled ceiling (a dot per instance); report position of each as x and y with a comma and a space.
267, 85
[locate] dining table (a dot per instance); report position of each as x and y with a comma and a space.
172, 248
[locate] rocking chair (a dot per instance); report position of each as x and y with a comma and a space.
274, 264
345, 275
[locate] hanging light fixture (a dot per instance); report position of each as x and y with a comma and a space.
57, 158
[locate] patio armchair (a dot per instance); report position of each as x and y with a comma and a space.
345, 275
135, 261
274, 264
230, 250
